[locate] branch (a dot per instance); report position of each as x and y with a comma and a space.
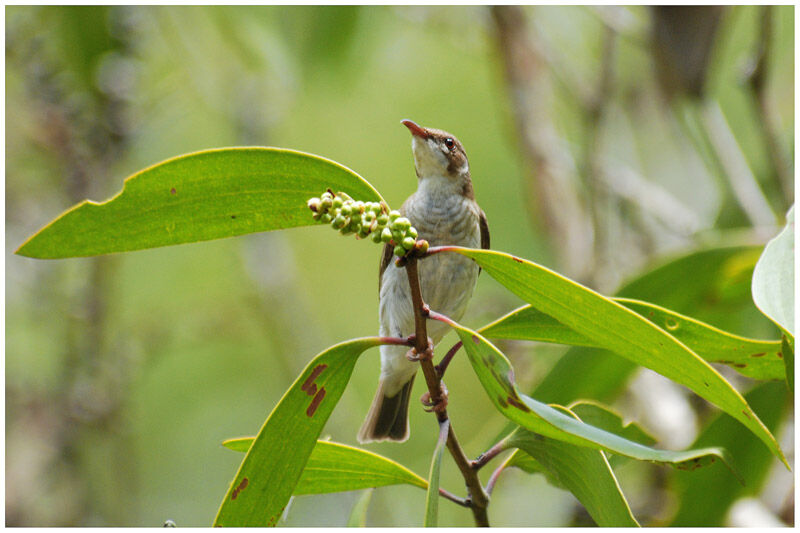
478, 499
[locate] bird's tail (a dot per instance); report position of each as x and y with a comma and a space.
388, 417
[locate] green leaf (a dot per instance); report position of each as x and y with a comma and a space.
618, 329
497, 378
584, 472
334, 467
704, 497
432, 497
787, 350
752, 358
602, 416
358, 516
198, 197
773, 278
276, 459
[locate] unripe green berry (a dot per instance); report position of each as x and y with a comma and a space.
338, 222
344, 196
412, 232
337, 202
394, 215
327, 195
376, 237
376, 208
409, 242
325, 204
398, 236
399, 251
325, 218
347, 209
386, 235
383, 219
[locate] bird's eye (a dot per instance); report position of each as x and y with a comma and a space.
449, 143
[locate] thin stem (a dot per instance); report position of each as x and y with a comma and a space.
441, 368
478, 499
453, 498
488, 455
493, 479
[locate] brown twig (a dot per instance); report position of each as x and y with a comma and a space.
478, 499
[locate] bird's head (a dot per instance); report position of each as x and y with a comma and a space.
438, 155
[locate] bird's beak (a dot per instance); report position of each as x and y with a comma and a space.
416, 129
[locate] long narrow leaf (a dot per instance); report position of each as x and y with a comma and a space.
583, 471
198, 197
757, 359
334, 467
497, 378
276, 459
618, 329
432, 497
358, 516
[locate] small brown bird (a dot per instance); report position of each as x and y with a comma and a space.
444, 211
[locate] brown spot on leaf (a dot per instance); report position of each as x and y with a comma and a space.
740, 365
242, 485
744, 412
233, 216
173, 191
312, 377
315, 402
312, 390
762, 354
502, 401
517, 259
475, 339
518, 404
780, 355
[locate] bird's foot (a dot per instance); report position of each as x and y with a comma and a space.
413, 355
438, 406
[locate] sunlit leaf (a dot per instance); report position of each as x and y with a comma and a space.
773, 278
275, 461
497, 378
584, 472
757, 359
618, 329
432, 497
198, 197
334, 467
705, 496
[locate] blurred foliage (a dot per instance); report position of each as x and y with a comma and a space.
124, 373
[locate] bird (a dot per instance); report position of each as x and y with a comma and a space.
444, 212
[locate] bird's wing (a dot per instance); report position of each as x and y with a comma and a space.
386, 259
484, 231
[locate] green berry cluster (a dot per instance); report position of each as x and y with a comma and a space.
367, 219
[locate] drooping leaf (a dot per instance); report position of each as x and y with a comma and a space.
757, 359
497, 378
198, 197
773, 278
584, 472
334, 467
432, 497
705, 496
618, 329
276, 459
358, 516
714, 286
604, 417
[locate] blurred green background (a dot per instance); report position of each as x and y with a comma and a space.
602, 141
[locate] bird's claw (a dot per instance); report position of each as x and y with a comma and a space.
435, 406
413, 355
